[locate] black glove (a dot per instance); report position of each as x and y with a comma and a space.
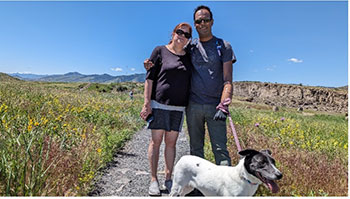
222, 110
220, 115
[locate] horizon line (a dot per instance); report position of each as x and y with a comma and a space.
31, 73
301, 84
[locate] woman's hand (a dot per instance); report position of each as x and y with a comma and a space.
146, 110
148, 64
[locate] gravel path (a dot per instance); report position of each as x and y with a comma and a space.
128, 174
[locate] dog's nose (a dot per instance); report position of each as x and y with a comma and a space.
279, 175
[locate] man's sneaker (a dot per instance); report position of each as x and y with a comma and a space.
168, 184
154, 189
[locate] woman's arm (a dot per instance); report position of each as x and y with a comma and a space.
146, 110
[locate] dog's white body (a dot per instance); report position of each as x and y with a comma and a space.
193, 172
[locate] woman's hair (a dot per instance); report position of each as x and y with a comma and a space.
177, 27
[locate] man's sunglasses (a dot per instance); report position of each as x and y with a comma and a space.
181, 32
199, 21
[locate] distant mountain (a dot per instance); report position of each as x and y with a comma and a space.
129, 78
77, 77
26, 76
5, 77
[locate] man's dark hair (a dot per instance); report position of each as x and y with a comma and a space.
202, 7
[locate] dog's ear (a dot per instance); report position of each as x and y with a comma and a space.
266, 151
247, 152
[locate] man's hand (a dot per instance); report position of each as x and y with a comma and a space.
148, 64
222, 110
220, 115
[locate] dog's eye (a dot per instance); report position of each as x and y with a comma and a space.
262, 165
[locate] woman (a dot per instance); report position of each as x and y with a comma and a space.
165, 98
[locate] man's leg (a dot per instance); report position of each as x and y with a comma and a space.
196, 131
218, 137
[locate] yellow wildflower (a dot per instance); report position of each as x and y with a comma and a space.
30, 125
3, 107
44, 121
59, 118
335, 143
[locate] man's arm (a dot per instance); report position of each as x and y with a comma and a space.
226, 95
148, 64
227, 91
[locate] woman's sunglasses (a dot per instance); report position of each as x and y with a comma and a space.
181, 32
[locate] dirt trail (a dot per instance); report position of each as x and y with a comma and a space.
128, 174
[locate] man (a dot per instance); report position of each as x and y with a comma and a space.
211, 88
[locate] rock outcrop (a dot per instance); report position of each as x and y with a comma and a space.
293, 96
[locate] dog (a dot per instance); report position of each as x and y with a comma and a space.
253, 169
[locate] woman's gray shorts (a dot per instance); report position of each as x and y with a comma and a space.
166, 117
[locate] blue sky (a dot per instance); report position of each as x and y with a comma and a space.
284, 42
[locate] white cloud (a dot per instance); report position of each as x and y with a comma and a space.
271, 68
117, 69
251, 51
132, 69
295, 60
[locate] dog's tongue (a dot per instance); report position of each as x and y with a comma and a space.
272, 186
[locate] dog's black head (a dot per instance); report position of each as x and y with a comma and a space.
262, 165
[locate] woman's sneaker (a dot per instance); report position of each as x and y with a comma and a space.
154, 189
168, 184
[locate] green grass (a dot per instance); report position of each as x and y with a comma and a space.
310, 149
324, 133
54, 137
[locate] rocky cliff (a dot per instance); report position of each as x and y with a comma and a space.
294, 96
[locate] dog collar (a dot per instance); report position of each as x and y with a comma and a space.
251, 183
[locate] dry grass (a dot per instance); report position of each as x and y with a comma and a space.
304, 173
310, 150
53, 138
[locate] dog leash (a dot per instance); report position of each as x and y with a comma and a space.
223, 106
234, 132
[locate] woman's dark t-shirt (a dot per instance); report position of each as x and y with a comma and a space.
171, 75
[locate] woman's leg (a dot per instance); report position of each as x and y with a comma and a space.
170, 152
153, 152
